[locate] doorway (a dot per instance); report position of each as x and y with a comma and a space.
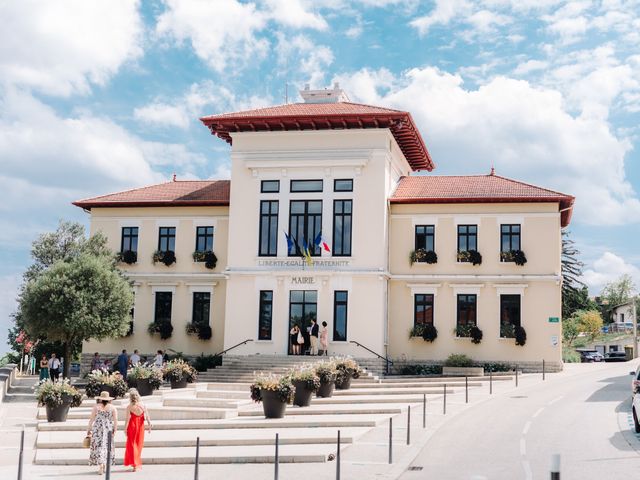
303, 307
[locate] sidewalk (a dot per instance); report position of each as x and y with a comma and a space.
365, 459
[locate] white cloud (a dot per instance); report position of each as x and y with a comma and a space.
443, 13
8, 292
295, 13
530, 66
524, 131
62, 47
307, 60
608, 268
163, 114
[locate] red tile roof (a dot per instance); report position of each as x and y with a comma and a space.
168, 194
477, 189
326, 116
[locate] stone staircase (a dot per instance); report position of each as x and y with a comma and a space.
232, 429
20, 390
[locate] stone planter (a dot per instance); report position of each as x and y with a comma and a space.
302, 397
462, 371
345, 385
179, 384
272, 406
144, 387
59, 413
326, 389
107, 388
131, 383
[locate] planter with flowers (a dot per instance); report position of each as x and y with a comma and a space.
275, 392
516, 256
428, 332
179, 373
346, 369
209, 258
164, 328
326, 372
103, 381
306, 382
470, 256
146, 379
128, 256
57, 398
420, 255
168, 257
203, 331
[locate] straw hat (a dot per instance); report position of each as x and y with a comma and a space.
104, 396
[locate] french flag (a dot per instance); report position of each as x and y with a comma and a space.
321, 242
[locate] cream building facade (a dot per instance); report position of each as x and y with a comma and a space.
319, 221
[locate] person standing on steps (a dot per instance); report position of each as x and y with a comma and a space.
324, 339
136, 414
44, 367
158, 359
314, 336
96, 363
123, 363
134, 360
54, 367
104, 419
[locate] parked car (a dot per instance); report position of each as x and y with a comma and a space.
590, 356
635, 409
635, 383
615, 357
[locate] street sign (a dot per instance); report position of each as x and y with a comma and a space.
554, 320
554, 340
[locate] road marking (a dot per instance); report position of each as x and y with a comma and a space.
523, 447
528, 474
555, 400
538, 412
526, 427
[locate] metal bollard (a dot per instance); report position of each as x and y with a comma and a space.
424, 410
109, 441
516, 375
390, 440
338, 458
197, 467
444, 400
491, 381
409, 425
466, 389
543, 369
277, 459
20, 456
555, 467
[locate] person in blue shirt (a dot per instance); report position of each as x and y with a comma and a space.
122, 363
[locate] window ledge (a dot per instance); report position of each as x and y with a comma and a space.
263, 341
462, 338
506, 338
339, 341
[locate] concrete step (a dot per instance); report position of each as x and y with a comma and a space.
157, 413
206, 402
208, 455
187, 438
392, 391
336, 409
337, 421
228, 394
228, 386
395, 385
361, 399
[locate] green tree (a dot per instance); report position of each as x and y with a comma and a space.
577, 299
75, 300
590, 322
571, 328
615, 293
571, 267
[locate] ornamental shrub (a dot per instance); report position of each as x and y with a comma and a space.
520, 335
476, 334
458, 360
429, 332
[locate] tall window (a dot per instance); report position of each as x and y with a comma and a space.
340, 298
303, 307
342, 228
201, 308
268, 228
265, 314
305, 223
467, 314
509, 314
204, 239
423, 309
425, 237
509, 238
162, 312
129, 239
467, 238
167, 239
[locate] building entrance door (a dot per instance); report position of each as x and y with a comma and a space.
303, 306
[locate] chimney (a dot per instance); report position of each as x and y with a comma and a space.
327, 95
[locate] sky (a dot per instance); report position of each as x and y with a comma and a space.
99, 96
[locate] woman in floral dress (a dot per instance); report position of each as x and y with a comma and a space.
104, 419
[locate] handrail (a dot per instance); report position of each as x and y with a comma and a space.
388, 362
235, 346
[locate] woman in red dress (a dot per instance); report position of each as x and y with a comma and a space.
134, 430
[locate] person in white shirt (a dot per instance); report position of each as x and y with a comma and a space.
134, 359
54, 367
159, 359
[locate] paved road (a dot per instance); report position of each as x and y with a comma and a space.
583, 415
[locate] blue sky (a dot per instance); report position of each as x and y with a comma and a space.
99, 96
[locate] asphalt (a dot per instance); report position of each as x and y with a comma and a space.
583, 415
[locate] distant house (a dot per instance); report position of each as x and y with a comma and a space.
622, 317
